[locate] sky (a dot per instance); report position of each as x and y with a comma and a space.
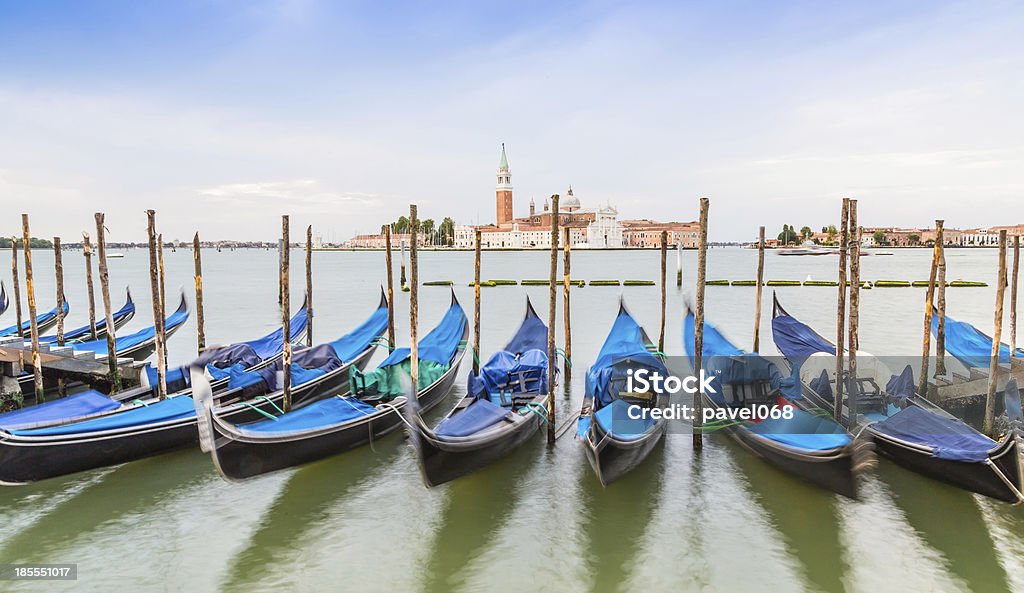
224, 115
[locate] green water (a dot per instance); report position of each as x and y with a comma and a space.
719, 521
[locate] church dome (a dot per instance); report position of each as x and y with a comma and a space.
570, 202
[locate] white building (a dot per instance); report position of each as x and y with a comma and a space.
606, 230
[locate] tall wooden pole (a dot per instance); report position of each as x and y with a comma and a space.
476, 304
101, 247
280, 263
679, 263
58, 269
402, 279
197, 258
1013, 296
698, 324
844, 246
757, 290
286, 314
997, 336
552, 292
854, 308
391, 288
17, 286
30, 292
414, 303
309, 286
566, 313
940, 334
664, 260
162, 332
929, 298
154, 285
87, 250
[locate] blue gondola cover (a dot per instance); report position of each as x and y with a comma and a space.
80, 404
969, 345
949, 438
170, 409
479, 416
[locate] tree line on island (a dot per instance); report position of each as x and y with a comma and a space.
33, 242
789, 236
434, 234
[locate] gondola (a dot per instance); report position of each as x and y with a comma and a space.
141, 344
905, 427
809, 446
336, 424
120, 317
44, 322
32, 454
614, 442
970, 345
503, 407
217, 361
3, 298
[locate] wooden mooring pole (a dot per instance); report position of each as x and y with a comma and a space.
997, 336
284, 293
844, 252
30, 293
87, 251
679, 263
58, 270
698, 324
309, 286
476, 303
940, 333
552, 295
401, 278
566, 312
101, 248
17, 285
391, 288
758, 290
414, 303
926, 348
664, 259
154, 286
162, 332
854, 342
1013, 296
197, 258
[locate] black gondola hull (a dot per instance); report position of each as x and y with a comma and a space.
832, 469
442, 462
612, 458
979, 477
24, 460
238, 459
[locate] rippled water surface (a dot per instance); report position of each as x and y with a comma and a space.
363, 521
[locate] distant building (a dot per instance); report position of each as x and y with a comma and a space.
594, 228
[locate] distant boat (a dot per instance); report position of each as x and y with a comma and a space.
807, 248
114, 255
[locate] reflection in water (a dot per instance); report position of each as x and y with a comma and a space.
803, 515
129, 489
948, 520
476, 508
303, 504
616, 518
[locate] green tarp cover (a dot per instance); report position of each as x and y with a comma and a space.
393, 380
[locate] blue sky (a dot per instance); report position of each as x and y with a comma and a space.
223, 115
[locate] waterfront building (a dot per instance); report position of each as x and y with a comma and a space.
593, 228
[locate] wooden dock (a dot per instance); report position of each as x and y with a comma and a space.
61, 362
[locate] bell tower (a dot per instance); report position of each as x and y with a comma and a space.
503, 191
